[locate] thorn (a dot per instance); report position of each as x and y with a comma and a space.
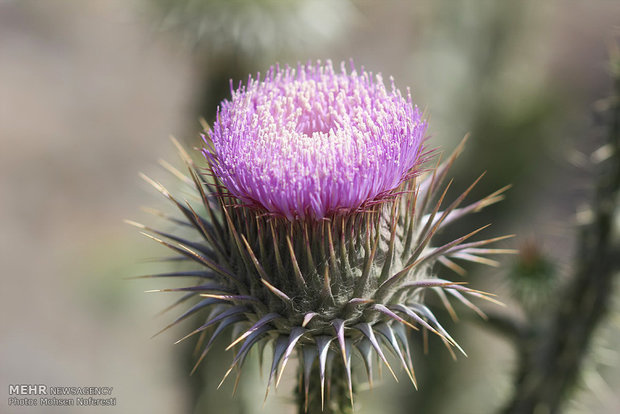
135, 224
307, 318
277, 292
184, 155
261, 322
447, 304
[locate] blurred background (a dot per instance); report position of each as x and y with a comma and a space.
90, 92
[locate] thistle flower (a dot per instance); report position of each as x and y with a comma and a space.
315, 226
308, 143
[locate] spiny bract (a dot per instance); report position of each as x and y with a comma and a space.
315, 221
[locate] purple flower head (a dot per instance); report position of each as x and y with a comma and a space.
309, 142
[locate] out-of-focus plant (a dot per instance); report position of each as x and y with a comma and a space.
533, 277
552, 346
254, 28
232, 38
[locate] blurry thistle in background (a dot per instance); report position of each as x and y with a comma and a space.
533, 276
252, 27
318, 207
233, 38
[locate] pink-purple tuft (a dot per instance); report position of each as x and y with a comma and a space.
309, 142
